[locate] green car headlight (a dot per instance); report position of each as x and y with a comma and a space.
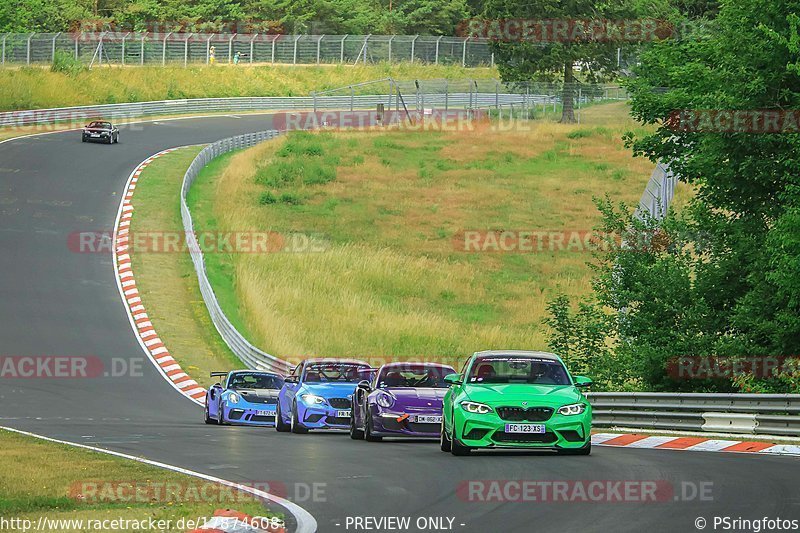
476, 408
573, 409
312, 399
234, 398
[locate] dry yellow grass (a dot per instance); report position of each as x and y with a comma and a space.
390, 283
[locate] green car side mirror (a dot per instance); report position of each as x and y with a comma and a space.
582, 381
453, 379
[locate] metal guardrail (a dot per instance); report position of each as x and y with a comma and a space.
757, 414
249, 354
123, 112
658, 194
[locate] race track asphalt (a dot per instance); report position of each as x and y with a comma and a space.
54, 301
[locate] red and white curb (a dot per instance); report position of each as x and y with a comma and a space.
692, 444
145, 332
228, 521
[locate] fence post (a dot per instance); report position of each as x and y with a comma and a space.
436, 61
230, 48
252, 48
273, 47
319, 44
390, 47
186, 50
497, 93
28, 60
491, 61
352, 97
77, 40
141, 52
53, 54
341, 51
208, 48
123, 47
164, 50
294, 54
413, 41
464, 54
4, 48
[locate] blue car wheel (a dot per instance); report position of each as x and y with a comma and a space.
295, 425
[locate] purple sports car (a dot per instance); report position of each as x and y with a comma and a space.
402, 400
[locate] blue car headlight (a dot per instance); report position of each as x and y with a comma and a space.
476, 408
312, 399
572, 409
234, 398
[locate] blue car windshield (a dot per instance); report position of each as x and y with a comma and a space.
255, 381
423, 376
531, 370
334, 373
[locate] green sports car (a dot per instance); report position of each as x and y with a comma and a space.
516, 399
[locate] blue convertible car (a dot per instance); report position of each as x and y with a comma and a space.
318, 394
245, 397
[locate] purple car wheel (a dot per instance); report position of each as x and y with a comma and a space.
368, 436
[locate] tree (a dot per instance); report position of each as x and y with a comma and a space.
550, 58
726, 284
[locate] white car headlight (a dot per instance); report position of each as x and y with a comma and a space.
573, 409
312, 399
234, 398
384, 400
476, 408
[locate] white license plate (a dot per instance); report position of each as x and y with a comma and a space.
428, 419
343, 413
265, 413
525, 428
95, 134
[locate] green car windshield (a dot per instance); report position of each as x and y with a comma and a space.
530, 370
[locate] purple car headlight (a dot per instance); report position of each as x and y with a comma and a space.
384, 400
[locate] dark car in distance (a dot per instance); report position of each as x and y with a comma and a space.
100, 131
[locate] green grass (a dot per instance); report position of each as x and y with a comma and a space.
390, 283
32, 87
167, 281
47, 478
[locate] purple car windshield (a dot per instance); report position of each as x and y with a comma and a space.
423, 376
529, 370
334, 373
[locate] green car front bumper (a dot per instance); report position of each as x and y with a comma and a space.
488, 431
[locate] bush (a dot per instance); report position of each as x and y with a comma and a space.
65, 63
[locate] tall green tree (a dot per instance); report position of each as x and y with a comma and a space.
726, 283
554, 59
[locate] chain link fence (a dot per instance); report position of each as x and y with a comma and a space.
207, 48
173, 48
